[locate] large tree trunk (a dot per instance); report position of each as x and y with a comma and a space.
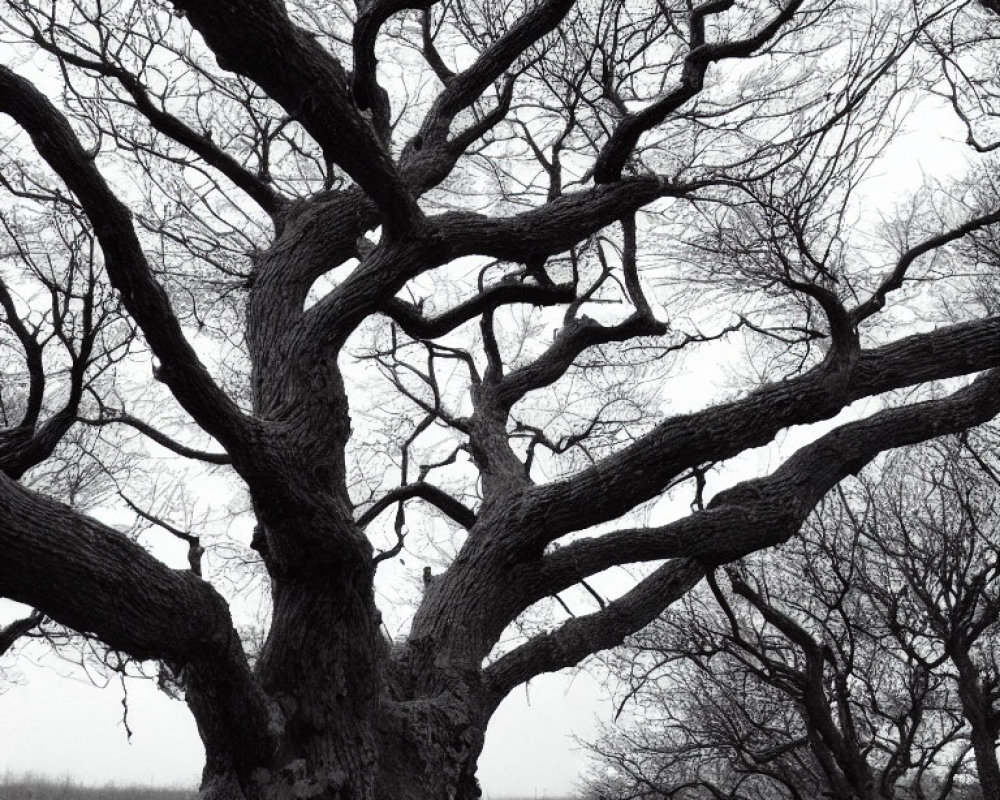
357, 720
428, 750
423, 750
978, 713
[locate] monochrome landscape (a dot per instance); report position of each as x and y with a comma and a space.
365, 365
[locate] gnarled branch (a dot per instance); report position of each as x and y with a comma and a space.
640, 471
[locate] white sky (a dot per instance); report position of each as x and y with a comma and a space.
59, 726
63, 727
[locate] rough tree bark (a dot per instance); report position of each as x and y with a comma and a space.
330, 710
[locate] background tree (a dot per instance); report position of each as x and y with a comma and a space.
511, 219
782, 682
931, 527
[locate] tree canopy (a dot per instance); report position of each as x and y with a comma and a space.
438, 295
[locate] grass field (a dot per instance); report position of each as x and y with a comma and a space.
33, 789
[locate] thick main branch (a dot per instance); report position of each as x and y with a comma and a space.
750, 516
641, 470
94, 580
258, 40
767, 511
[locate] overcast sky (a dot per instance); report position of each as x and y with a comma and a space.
62, 727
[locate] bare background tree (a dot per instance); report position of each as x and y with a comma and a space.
933, 569
783, 679
858, 661
445, 261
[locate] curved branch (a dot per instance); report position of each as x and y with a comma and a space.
409, 318
9, 634
639, 471
844, 342
461, 141
93, 579
28, 444
768, 511
612, 158
257, 39
571, 341
26, 447
748, 517
160, 438
583, 636
630, 267
894, 280
32, 356
431, 55
463, 89
556, 225
198, 143
438, 498
374, 13
522, 238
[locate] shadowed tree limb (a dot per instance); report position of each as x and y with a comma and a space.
748, 517
106, 584
552, 228
9, 634
431, 54
159, 437
424, 491
558, 224
93, 579
28, 443
414, 324
894, 280
767, 511
374, 13
198, 143
579, 335
463, 89
32, 355
259, 41
640, 470
582, 636
615, 153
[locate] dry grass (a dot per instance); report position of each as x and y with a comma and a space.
29, 788
540, 794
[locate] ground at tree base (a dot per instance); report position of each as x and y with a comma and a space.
31, 788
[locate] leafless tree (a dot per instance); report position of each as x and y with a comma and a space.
375, 250
62, 336
782, 684
932, 530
